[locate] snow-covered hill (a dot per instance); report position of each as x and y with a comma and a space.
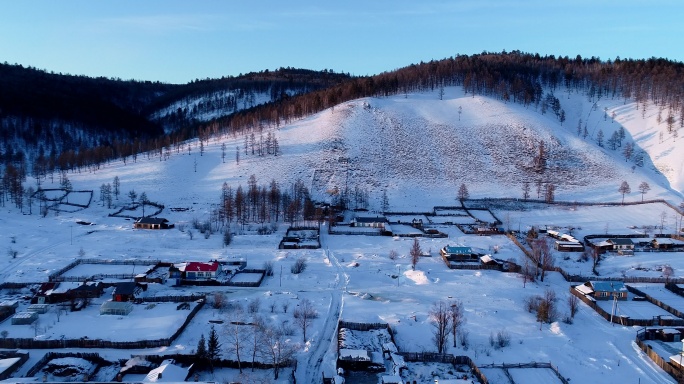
420, 149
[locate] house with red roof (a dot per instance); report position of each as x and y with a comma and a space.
196, 270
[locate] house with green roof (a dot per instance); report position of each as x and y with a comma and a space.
459, 253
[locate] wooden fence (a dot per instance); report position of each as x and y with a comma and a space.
428, 357
533, 364
365, 327
174, 299
659, 303
93, 357
247, 283
57, 275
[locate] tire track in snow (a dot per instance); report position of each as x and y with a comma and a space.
12, 268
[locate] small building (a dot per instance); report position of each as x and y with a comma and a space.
289, 242
38, 308
599, 245
489, 260
621, 244
127, 291
201, 271
6, 312
152, 223
669, 335
24, 318
14, 304
568, 246
117, 308
667, 243
604, 290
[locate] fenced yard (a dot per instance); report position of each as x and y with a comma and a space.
528, 373
148, 325
88, 269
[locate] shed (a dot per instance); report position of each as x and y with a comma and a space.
24, 318
670, 335
489, 260
568, 246
9, 304
38, 308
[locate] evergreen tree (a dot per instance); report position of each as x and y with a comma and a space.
201, 352
213, 345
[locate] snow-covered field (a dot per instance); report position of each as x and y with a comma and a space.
419, 150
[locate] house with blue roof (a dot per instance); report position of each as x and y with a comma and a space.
604, 290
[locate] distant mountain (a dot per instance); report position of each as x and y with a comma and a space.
47, 115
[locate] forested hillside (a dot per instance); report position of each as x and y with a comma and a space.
53, 121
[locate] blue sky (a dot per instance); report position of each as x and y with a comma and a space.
178, 41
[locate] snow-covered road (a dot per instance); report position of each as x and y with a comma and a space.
323, 344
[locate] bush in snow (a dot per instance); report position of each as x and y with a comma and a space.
268, 267
299, 266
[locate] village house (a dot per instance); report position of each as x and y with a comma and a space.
604, 290
369, 221
621, 244
127, 291
195, 270
201, 271
152, 223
